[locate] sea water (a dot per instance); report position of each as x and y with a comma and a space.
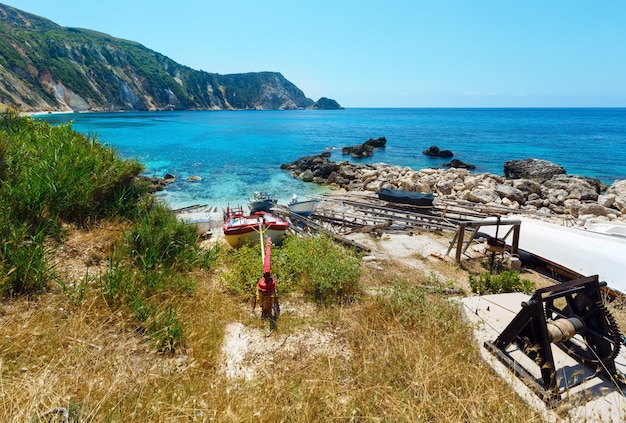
238, 152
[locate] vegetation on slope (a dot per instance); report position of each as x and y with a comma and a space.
44, 66
129, 315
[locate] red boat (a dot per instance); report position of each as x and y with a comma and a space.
240, 228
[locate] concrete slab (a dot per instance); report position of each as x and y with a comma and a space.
593, 400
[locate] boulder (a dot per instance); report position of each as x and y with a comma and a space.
485, 196
527, 185
358, 151
606, 200
594, 209
380, 142
366, 149
618, 189
434, 151
307, 175
458, 164
535, 169
571, 187
509, 192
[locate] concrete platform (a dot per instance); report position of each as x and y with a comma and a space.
595, 400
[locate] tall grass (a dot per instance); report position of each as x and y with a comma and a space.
147, 273
159, 239
50, 175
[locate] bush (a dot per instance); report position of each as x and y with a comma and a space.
326, 272
159, 239
507, 281
50, 175
245, 268
55, 173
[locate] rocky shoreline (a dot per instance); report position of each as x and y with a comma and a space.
530, 185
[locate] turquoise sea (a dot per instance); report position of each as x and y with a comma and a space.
239, 152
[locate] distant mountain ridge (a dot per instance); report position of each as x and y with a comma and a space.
47, 67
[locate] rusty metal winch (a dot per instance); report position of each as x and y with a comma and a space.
573, 317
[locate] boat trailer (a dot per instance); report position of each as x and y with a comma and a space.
573, 317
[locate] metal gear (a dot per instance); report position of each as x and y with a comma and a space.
600, 341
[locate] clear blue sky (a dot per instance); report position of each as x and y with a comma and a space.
385, 53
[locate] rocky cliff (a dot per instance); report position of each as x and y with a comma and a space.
46, 67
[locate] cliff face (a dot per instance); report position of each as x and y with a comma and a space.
46, 67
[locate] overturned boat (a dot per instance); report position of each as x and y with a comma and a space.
198, 216
401, 196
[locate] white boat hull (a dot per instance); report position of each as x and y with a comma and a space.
305, 208
605, 227
582, 251
201, 220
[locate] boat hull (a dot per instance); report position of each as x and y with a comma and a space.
201, 220
261, 202
582, 251
239, 239
304, 208
406, 197
240, 229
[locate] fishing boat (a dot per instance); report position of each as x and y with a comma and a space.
240, 228
197, 216
304, 208
261, 201
406, 197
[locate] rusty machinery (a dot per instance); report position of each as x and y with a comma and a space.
571, 316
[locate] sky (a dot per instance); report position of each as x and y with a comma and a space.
391, 53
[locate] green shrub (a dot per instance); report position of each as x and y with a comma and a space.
326, 272
56, 173
159, 239
245, 268
507, 281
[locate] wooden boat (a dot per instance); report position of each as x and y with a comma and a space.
304, 208
406, 197
196, 215
240, 228
261, 201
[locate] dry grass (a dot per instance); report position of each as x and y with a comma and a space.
366, 362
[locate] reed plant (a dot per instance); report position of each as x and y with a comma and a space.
158, 239
51, 175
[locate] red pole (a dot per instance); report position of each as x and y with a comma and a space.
268, 260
